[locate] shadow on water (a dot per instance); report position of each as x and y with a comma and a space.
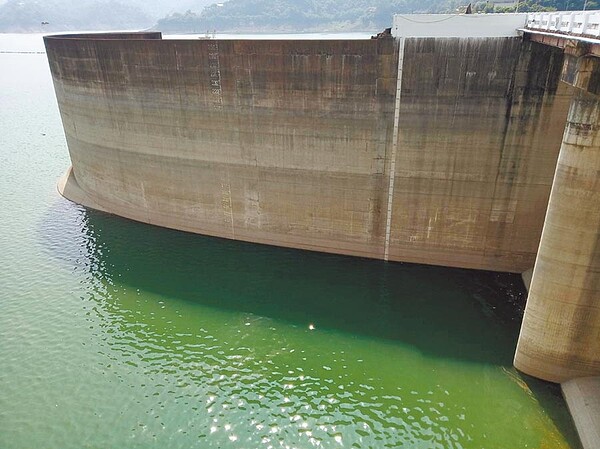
466, 315
448, 313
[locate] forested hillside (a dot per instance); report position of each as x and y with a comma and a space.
237, 15
297, 15
332, 15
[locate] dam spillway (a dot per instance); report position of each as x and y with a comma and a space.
429, 149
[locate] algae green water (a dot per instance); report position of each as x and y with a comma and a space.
114, 334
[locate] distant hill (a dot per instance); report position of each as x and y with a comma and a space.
160, 8
65, 15
295, 15
237, 15
331, 15
28, 15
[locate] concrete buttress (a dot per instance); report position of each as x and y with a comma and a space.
560, 335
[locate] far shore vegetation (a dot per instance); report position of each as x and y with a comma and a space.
200, 16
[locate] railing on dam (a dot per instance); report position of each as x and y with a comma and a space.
573, 23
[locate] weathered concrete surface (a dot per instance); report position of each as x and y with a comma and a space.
560, 335
583, 398
275, 142
480, 130
289, 142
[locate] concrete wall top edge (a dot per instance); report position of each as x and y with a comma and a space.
97, 48
145, 35
154, 41
135, 35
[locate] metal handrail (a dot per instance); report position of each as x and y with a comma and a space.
577, 23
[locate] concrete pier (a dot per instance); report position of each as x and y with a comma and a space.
583, 398
560, 337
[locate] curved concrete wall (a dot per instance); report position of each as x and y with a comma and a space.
279, 142
290, 142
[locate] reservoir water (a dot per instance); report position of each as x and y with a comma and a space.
115, 334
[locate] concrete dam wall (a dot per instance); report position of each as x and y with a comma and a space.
322, 145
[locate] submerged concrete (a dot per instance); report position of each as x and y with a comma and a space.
291, 142
583, 398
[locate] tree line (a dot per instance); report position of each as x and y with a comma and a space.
241, 15
335, 15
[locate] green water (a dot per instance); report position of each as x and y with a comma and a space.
115, 334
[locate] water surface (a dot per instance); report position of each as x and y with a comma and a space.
115, 334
